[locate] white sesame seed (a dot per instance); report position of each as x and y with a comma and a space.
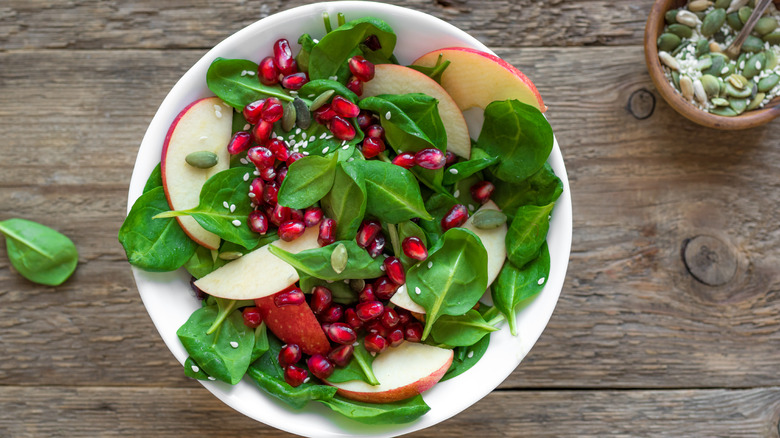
256, 173
333, 78
758, 65
312, 138
305, 144
297, 131
195, 369
328, 137
323, 135
345, 147
273, 134
305, 153
541, 280
218, 114
315, 40
203, 137
225, 204
237, 222
417, 290
387, 115
232, 208
306, 380
453, 171
247, 126
430, 265
251, 195
471, 207
724, 70
350, 159
250, 72
456, 194
246, 176
382, 268
325, 150
243, 72
292, 136
212, 378
311, 95
234, 344
293, 93
470, 355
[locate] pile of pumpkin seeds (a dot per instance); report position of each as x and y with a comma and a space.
691, 51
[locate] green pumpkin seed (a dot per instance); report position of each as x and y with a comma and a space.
718, 62
357, 284
733, 20
722, 92
752, 44
772, 37
724, 4
702, 48
202, 159
723, 111
230, 255
687, 18
680, 48
711, 85
704, 64
719, 101
769, 82
744, 13
735, 92
680, 30
771, 59
676, 78
668, 42
756, 101
322, 99
288, 117
754, 65
713, 21
671, 16
699, 5
339, 258
738, 105
302, 114
700, 15
765, 25
737, 80
486, 219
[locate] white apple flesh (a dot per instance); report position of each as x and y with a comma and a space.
397, 79
204, 125
259, 273
403, 371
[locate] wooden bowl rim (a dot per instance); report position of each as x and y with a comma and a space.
746, 120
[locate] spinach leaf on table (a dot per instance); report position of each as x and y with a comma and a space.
393, 194
317, 262
461, 330
155, 245
527, 233
456, 279
329, 55
346, 201
228, 79
39, 253
308, 180
399, 412
466, 357
516, 286
541, 188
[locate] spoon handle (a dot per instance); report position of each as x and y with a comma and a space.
733, 49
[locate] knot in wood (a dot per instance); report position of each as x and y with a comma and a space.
641, 104
710, 260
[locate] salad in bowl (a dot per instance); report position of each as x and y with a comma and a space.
339, 219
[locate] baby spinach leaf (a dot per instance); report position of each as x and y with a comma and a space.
401, 131
230, 81
316, 262
155, 179
461, 330
541, 188
527, 233
456, 279
302, 58
214, 352
466, 357
519, 134
335, 48
346, 201
399, 412
434, 72
308, 180
203, 262
516, 286
340, 291
261, 342
393, 194
464, 169
229, 186
423, 110
193, 370
154, 245
314, 88
359, 368
39, 253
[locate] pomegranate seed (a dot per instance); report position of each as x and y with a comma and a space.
395, 270
267, 71
272, 110
376, 326
296, 214
361, 68
341, 355
327, 233
291, 230
384, 288
283, 57
352, 320
334, 313
372, 147
262, 131
376, 246
320, 366
390, 318
295, 376
375, 343
258, 222
395, 337
268, 173
271, 192
372, 42
405, 160
344, 108
321, 298
430, 158
413, 331
482, 190
414, 248
279, 215
252, 317
312, 216
456, 217
281, 174
341, 333
239, 143
404, 316
369, 310
295, 81
375, 131
324, 113
256, 189
252, 111
290, 354
367, 294
342, 129
368, 230
355, 85
295, 156
449, 159
289, 296
261, 156
366, 119
279, 148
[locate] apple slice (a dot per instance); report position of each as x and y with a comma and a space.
294, 324
204, 125
403, 371
397, 79
475, 78
259, 273
494, 241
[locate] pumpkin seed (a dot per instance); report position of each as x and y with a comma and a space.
288, 117
681, 47
719, 101
712, 22
699, 93
744, 13
357, 284
703, 64
680, 30
772, 37
737, 80
752, 44
754, 65
676, 79
722, 83
734, 22
321, 99
769, 82
669, 60
302, 114
230, 255
202, 159
738, 105
711, 85
338, 258
723, 111
718, 62
699, 5
486, 219
702, 48
756, 101
668, 42
735, 92
735, 5
687, 18
765, 25
722, 3
686, 87
771, 59
671, 16
715, 47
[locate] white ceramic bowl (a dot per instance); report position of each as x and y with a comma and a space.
169, 300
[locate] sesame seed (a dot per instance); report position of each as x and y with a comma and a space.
315, 41
292, 136
382, 268
345, 147
232, 208
234, 344
311, 95
237, 222
312, 138
430, 265
212, 378
243, 72
246, 176
456, 194
251, 195
724, 70
273, 134
225, 204
293, 93
350, 159
758, 65
323, 135
328, 137
325, 150
256, 173
305, 144
333, 78
541, 280
195, 369
218, 114
297, 131
417, 290
250, 72
387, 115
471, 207
470, 355
305, 153
306, 380
203, 137
453, 171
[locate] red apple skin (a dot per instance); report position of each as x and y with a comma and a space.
451, 75
294, 324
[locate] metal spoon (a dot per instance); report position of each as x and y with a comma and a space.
732, 51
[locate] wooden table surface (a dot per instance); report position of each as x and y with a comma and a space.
638, 345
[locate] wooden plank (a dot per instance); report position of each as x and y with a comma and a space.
192, 411
202, 24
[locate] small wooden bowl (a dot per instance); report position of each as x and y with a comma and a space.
746, 120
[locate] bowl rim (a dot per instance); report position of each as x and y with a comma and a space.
653, 28
161, 291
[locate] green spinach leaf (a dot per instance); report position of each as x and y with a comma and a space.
466, 357
308, 180
399, 412
314, 88
334, 49
155, 179
461, 330
39, 253
203, 262
340, 291
235, 81
527, 233
193, 370
515, 286
261, 342
359, 368
302, 58
393, 194
316, 262
541, 188
346, 202
479, 160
